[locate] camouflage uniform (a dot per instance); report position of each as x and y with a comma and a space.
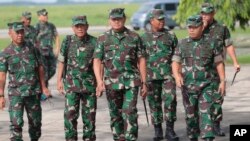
198, 58
46, 34
222, 35
79, 83
160, 47
29, 31
119, 52
21, 62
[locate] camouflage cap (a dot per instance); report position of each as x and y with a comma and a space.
16, 26
207, 8
195, 20
157, 13
26, 14
116, 13
9, 25
79, 20
43, 12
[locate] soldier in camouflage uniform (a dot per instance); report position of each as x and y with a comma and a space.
76, 62
198, 57
46, 36
160, 45
220, 33
123, 56
29, 30
26, 82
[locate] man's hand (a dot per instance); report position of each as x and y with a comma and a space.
144, 91
60, 87
205, 24
237, 67
2, 103
222, 88
179, 81
100, 88
46, 92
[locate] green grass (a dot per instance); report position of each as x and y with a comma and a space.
61, 15
244, 59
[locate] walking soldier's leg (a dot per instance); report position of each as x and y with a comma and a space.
16, 108
170, 103
115, 101
88, 116
129, 114
190, 102
216, 110
34, 114
205, 102
71, 114
155, 105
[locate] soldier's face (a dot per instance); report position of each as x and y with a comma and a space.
17, 36
43, 18
207, 17
157, 24
26, 21
80, 30
195, 32
117, 23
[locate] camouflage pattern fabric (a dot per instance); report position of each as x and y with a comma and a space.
46, 34
33, 108
79, 84
30, 34
23, 89
71, 114
216, 108
21, 63
119, 53
198, 58
222, 35
160, 47
79, 74
162, 90
123, 113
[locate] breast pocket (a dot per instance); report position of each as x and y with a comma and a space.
206, 56
14, 64
110, 52
131, 52
30, 64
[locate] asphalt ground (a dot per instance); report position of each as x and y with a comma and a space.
236, 109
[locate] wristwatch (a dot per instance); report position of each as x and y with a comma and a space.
1, 95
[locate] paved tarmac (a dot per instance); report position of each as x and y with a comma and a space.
236, 110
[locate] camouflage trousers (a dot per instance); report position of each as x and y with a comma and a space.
49, 63
216, 108
33, 108
162, 91
197, 106
71, 114
123, 113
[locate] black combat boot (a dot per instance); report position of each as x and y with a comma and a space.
158, 132
194, 139
217, 130
208, 139
170, 133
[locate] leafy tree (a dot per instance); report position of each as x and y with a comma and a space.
227, 11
